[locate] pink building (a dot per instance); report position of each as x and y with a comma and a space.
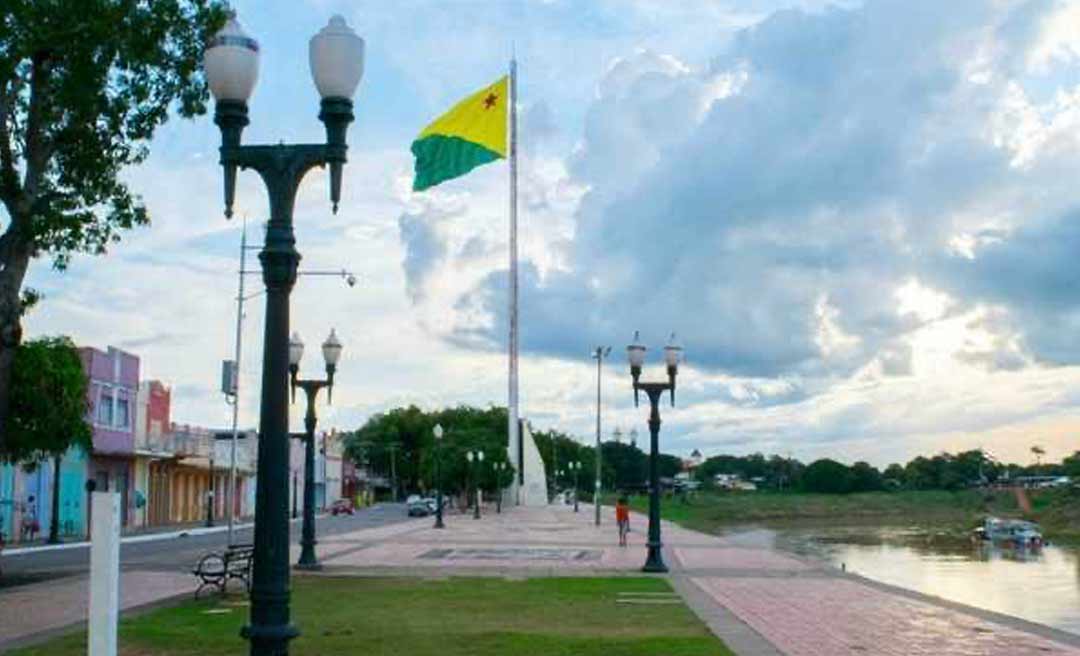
113, 389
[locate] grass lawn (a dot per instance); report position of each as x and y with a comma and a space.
947, 513
416, 617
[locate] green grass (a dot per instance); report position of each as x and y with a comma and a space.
948, 513
416, 617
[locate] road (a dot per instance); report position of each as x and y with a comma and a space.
180, 553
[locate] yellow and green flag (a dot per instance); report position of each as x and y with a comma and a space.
472, 133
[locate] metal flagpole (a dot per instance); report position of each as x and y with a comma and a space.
231, 496
512, 421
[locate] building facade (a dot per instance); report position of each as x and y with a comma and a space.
113, 391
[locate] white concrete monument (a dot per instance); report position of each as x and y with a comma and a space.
104, 573
533, 489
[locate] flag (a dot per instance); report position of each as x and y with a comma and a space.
471, 134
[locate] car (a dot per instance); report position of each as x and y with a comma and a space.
417, 507
342, 507
431, 503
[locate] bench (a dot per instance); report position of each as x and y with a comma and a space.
217, 569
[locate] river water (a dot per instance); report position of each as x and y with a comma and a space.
1041, 587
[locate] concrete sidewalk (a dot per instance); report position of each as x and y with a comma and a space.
760, 601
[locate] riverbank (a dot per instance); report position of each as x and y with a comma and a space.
938, 514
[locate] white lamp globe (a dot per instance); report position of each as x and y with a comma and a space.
231, 62
438, 431
331, 349
336, 55
635, 353
296, 349
672, 352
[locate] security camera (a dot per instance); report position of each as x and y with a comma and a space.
351, 280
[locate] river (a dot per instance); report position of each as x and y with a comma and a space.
1041, 587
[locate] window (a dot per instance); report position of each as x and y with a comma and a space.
105, 407
122, 418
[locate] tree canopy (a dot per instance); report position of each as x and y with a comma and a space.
83, 86
48, 401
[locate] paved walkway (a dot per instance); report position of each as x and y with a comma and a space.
760, 601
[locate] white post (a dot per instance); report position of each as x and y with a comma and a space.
512, 400
104, 573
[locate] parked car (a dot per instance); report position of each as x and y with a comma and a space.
342, 507
417, 507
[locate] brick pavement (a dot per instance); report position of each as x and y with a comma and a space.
759, 600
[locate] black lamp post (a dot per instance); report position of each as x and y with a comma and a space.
294, 494
636, 354
438, 432
231, 61
576, 468
500, 467
331, 349
477, 457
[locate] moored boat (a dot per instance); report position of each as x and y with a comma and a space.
1015, 533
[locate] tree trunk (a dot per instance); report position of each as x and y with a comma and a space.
54, 525
13, 268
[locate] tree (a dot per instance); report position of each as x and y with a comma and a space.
827, 476
866, 478
1039, 453
83, 86
48, 409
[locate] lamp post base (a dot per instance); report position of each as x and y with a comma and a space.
439, 523
654, 563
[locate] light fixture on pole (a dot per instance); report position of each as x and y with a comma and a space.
635, 352
231, 62
437, 431
331, 351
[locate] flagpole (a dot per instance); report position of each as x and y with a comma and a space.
513, 425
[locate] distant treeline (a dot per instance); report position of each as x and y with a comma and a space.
945, 471
401, 441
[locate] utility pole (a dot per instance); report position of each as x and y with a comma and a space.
599, 354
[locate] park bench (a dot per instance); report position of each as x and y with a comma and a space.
217, 569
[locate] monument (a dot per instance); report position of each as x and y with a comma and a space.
532, 481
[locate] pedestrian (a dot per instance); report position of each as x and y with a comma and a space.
30, 525
622, 518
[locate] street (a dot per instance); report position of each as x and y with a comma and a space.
179, 553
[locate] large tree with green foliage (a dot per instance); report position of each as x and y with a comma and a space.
83, 86
48, 408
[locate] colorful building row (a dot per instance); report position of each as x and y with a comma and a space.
164, 472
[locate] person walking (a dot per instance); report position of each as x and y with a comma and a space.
30, 526
622, 519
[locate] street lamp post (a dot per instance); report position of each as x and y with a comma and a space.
599, 353
500, 471
331, 349
576, 468
477, 457
438, 431
231, 61
654, 562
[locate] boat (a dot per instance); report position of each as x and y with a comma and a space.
1015, 533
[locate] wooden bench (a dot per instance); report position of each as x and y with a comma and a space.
217, 569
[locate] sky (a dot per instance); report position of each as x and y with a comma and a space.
862, 220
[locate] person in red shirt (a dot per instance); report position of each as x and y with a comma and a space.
622, 518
